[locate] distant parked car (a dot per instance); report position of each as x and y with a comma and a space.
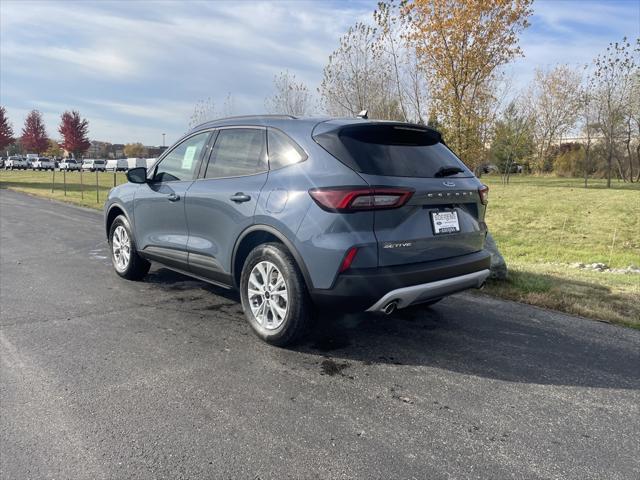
42, 163
16, 162
93, 165
151, 162
2, 160
117, 165
69, 164
30, 157
136, 163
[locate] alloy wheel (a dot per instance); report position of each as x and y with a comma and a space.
121, 246
267, 294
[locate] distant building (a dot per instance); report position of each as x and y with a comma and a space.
154, 152
117, 151
98, 149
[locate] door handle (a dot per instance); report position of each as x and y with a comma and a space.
173, 197
240, 197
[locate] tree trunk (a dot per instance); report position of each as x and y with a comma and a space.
621, 170
638, 157
586, 161
609, 162
628, 145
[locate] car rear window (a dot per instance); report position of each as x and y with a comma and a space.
391, 150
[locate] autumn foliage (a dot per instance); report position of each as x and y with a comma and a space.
463, 45
34, 136
74, 130
6, 132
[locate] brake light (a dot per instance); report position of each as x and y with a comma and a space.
340, 199
484, 194
348, 259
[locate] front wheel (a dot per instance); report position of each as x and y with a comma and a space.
124, 255
274, 295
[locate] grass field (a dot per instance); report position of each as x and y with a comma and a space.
80, 188
542, 226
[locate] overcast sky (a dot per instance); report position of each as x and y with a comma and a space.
136, 69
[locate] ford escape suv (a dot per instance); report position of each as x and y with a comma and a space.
300, 213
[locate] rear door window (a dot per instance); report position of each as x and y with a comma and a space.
238, 152
392, 150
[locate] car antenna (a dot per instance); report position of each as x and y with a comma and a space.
363, 114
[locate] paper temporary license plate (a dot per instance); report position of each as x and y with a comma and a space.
445, 222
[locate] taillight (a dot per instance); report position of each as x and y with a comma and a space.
484, 194
348, 259
341, 199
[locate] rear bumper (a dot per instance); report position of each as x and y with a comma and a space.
403, 297
372, 288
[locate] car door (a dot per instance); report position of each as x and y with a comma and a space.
159, 217
221, 204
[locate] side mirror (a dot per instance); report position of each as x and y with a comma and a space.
137, 175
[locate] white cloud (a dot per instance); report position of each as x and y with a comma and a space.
138, 68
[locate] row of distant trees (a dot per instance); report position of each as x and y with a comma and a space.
441, 63
73, 129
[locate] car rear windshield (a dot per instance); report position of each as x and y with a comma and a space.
392, 150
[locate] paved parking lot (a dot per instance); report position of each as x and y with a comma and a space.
103, 378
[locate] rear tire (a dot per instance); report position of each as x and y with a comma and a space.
124, 255
274, 295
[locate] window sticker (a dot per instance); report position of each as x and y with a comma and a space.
189, 154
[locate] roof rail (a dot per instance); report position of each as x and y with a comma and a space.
239, 117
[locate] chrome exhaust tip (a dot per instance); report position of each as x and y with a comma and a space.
390, 307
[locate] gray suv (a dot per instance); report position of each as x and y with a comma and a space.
301, 214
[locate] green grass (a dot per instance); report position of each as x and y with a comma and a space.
84, 194
541, 224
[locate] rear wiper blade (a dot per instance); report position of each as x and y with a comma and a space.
447, 171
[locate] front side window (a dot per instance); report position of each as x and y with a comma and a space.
180, 163
238, 152
282, 150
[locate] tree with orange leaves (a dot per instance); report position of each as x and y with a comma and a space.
462, 45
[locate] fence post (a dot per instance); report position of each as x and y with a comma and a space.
64, 181
97, 190
114, 177
81, 185
53, 179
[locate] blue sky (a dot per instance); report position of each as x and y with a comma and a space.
136, 69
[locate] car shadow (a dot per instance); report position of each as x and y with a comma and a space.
502, 340
173, 281
468, 334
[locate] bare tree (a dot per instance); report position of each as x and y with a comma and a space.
358, 77
587, 119
613, 85
408, 80
554, 101
290, 96
632, 126
203, 111
228, 107
635, 116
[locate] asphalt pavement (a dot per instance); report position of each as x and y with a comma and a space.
106, 378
